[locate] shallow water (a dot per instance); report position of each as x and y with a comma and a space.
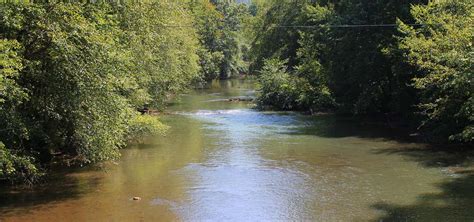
223, 161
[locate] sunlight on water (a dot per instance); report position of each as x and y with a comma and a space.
224, 161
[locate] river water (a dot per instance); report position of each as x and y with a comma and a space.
223, 161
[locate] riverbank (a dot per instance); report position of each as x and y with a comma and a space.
224, 160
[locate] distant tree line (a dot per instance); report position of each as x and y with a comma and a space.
411, 59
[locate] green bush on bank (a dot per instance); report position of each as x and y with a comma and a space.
142, 126
284, 90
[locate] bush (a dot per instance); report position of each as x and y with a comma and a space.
280, 89
142, 126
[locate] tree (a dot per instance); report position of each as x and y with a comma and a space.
360, 70
441, 49
208, 21
219, 25
275, 38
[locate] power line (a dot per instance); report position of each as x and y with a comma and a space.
306, 26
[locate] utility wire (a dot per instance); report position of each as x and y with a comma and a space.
306, 26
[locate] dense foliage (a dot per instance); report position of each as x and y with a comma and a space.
73, 75
442, 50
219, 25
289, 90
353, 59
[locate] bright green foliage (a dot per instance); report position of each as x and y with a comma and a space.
281, 89
162, 55
11, 94
142, 126
311, 56
208, 21
231, 39
73, 75
276, 87
302, 47
11, 65
443, 52
73, 106
219, 25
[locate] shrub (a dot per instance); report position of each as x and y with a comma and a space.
280, 89
142, 126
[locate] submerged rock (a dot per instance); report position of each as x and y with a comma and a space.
241, 99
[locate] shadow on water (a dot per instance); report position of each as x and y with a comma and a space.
454, 201
435, 156
333, 126
59, 187
330, 126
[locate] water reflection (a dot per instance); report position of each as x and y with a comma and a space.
235, 182
223, 161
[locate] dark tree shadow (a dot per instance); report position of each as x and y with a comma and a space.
333, 126
455, 202
435, 155
56, 188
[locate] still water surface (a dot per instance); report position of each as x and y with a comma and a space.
223, 161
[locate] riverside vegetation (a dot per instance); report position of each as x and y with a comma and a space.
73, 76
413, 60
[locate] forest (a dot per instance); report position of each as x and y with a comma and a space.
75, 77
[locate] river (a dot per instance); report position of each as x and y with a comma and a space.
223, 161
